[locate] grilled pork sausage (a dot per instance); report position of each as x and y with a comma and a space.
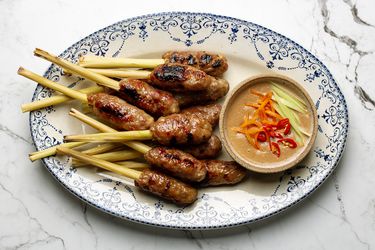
181, 129
166, 187
177, 163
212, 64
179, 77
119, 113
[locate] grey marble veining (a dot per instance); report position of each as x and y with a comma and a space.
37, 213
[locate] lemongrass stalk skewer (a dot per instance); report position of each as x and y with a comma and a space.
57, 99
133, 164
52, 85
130, 173
117, 62
115, 156
100, 149
52, 150
138, 146
127, 164
111, 136
120, 73
71, 67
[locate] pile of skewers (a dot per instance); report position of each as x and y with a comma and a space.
168, 101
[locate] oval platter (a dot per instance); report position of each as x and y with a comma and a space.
251, 49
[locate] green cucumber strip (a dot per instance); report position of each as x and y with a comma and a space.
289, 114
287, 92
299, 139
289, 99
297, 120
287, 103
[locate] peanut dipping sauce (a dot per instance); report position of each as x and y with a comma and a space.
238, 141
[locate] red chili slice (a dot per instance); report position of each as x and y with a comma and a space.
284, 124
281, 124
287, 129
262, 136
275, 149
288, 142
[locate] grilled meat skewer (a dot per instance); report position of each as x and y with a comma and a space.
179, 77
118, 112
148, 180
212, 64
223, 173
176, 129
194, 126
110, 108
180, 129
207, 150
176, 162
216, 90
154, 101
210, 112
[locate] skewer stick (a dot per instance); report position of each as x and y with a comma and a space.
111, 137
138, 146
55, 86
71, 67
116, 62
52, 150
121, 73
130, 173
100, 149
52, 85
133, 164
115, 156
54, 100
127, 164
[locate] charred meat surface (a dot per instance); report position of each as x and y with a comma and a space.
217, 89
154, 101
181, 129
209, 112
119, 113
166, 187
178, 77
207, 150
223, 173
212, 64
177, 163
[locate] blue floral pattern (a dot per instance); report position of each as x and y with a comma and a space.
191, 30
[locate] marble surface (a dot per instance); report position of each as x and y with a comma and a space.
37, 213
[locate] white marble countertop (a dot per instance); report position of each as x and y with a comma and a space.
37, 213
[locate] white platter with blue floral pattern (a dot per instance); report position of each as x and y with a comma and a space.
251, 49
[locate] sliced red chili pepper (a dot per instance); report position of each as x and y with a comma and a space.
262, 136
284, 124
271, 133
288, 142
287, 129
281, 124
278, 135
275, 149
